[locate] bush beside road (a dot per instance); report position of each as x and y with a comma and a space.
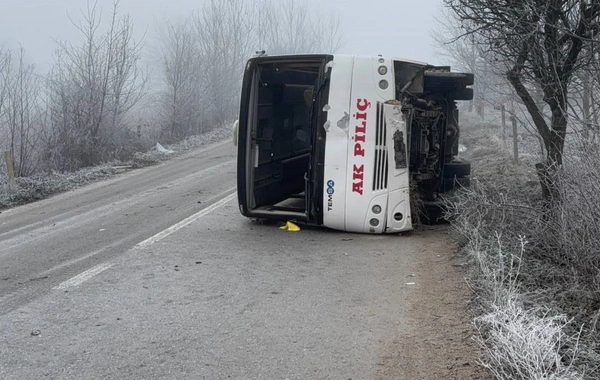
532, 268
40, 186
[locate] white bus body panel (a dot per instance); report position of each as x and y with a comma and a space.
336, 145
357, 176
363, 194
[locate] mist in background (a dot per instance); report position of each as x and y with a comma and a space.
400, 28
86, 82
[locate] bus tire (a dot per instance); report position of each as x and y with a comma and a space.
456, 183
457, 169
470, 79
433, 212
464, 94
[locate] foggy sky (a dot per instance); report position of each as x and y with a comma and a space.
399, 28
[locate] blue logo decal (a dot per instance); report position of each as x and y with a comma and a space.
330, 191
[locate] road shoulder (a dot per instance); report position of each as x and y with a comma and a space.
438, 343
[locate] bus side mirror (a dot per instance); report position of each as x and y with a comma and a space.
235, 132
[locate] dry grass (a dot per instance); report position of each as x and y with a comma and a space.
520, 340
527, 343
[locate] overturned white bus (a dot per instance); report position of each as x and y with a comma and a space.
337, 140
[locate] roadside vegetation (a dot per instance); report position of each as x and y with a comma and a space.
534, 274
110, 96
42, 185
530, 223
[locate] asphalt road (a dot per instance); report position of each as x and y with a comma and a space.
45, 243
133, 278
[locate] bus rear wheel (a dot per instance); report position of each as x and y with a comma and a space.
457, 169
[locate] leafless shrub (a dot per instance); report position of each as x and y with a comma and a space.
20, 113
519, 342
535, 269
90, 89
571, 232
527, 344
490, 211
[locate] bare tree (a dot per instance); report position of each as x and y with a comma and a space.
204, 56
126, 80
4, 66
21, 113
224, 35
293, 27
584, 102
538, 42
182, 77
467, 54
91, 87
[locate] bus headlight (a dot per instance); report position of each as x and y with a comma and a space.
382, 70
383, 84
374, 222
376, 209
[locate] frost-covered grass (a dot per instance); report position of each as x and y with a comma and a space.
522, 337
534, 271
154, 156
528, 343
40, 186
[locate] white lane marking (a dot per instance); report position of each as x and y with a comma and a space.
55, 225
82, 277
82, 258
163, 234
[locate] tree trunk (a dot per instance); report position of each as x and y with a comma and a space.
586, 107
556, 143
548, 171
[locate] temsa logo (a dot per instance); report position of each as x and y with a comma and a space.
359, 137
330, 191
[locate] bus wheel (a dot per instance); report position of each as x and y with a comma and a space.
433, 212
457, 169
456, 183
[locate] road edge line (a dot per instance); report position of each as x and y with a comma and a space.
84, 276
190, 219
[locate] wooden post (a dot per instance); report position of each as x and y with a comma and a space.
10, 169
503, 109
515, 139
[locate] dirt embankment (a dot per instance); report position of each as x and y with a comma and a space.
438, 343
